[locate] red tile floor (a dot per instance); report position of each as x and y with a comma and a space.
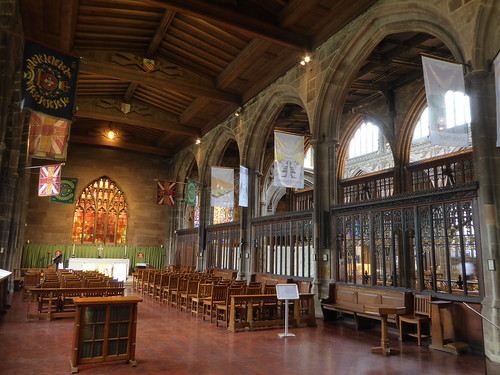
173, 342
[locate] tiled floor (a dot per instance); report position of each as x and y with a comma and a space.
173, 342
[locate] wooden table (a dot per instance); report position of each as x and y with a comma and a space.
384, 311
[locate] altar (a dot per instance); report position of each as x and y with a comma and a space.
116, 268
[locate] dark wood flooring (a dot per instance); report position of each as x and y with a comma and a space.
173, 342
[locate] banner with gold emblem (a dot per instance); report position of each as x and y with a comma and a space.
49, 81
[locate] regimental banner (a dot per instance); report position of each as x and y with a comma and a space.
49, 180
288, 160
166, 191
496, 64
444, 84
222, 187
67, 193
192, 192
243, 199
48, 137
49, 81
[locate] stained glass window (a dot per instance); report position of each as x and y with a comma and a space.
100, 214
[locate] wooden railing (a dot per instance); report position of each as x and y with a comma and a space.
223, 245
440, 172
283, 244
187, 247
372, 186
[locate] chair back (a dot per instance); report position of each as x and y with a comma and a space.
252, 290
205, 290
422, 304
192, 287
220, 293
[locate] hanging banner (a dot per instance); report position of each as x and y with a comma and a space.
67, 193
222, 187
496, 64
49, 81
48, 137
445, 91
49, 180
165, 192
243, 199
192, 192
288, 160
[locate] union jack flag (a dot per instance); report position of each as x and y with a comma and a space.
49, 181
166, 192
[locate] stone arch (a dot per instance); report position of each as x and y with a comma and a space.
487, 33
214, 150
405, 138
259, 130
381, 21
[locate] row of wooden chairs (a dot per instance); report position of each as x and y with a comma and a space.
204, 295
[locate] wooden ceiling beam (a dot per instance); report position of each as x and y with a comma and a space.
229, 18
188, 83
251, 53
161, 30
159, 120
193, 110
69, 11
294, 10
127, 146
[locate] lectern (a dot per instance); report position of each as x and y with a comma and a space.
105, 330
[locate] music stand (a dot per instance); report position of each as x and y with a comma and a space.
57, 260
286, 292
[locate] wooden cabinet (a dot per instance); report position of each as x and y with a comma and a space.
105, 330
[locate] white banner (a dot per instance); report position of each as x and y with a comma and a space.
497, 90
445, 91
243, 201
288, 160
222, 192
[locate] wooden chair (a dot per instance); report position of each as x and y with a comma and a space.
175, 294
219, 295
204, 292
222, 309
173, 282
420, 317
186, 296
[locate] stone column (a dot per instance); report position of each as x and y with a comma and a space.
325, 193
481, 90
13, 135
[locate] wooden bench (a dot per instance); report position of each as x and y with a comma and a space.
58, 302
352, 299
223, 273
303, 283
250, 303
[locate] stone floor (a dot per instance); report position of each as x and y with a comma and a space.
173, 342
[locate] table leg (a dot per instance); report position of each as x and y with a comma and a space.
384, 348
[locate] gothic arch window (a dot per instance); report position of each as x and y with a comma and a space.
457, 114
365, 140
100, 215
368, 151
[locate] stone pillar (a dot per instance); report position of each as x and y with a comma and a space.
481, 90
13, 136
325, 193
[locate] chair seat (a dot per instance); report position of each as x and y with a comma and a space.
414, 318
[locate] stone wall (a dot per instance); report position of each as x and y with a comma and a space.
134, 173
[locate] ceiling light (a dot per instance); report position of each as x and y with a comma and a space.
198, 141
306, 59
111, 134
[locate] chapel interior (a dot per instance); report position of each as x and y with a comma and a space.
391, 237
